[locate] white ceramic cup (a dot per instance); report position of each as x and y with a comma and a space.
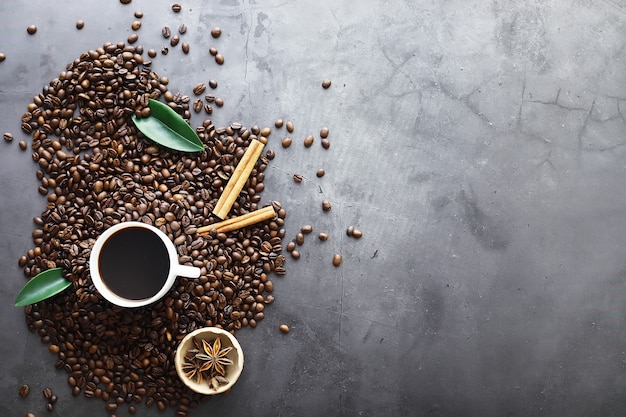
175, 269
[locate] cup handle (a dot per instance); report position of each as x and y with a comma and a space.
187, 271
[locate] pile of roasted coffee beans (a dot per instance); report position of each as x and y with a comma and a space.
96, 169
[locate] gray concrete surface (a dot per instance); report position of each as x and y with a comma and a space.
479, 145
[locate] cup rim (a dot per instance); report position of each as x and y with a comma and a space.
110, 295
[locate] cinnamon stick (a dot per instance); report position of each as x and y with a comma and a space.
238, 222
238, 179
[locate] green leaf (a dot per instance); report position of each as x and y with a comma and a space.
42, 286
165, 127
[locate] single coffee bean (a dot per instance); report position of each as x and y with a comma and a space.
326, 83
32, 29
24, 390
278, 123
308, 141
49, 407
219, 102
326, 206
199, 88
306, 229
325, 143
284, 328
138, 14
213, 51
290, 126
198, 105
324, 132
136, 25
213, 84
132, 409
132, 38
175, 39
8, 136
266, 131
219, 58
297, 178
300, 238
337, 259
2, 56
350, 230
30, 415
216, 32
23, 145
53, 399
286, 142
357, 234
47, 393
80, 24
176, 8
291, 246
320, 173
165, 50
323, 236
111, 406
152, 53
166, 32
185, 47
125, 1
182, 28
295, 254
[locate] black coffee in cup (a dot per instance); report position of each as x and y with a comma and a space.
134, 263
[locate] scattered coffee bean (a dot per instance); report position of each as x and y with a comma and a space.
219, 102
219, 58
182, 29
199, 89
23, 145
174, 41
326, 206
337, 259
286, 142
306, 229
208, 109
136, 25
53, 399
30, 415
278, 123
132, 38
138, 14
266, 131
152, 53
326, 83
325, 143
24, 390
32, 29
350, 230
80, 24
290, 126
213, 51
132, 409
185, 47
324, 132
8, 137
295, 254
216, 32
176, 8
49, 407
213, 84
308, 141
320, 173
47, 393
300, 238
165, 50
291, 246
284, 328
297, 178
125, 1
357, 234
323, 236
2, 56
198, 105
166, 32
111, 406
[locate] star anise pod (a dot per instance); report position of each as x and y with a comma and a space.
214, 357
